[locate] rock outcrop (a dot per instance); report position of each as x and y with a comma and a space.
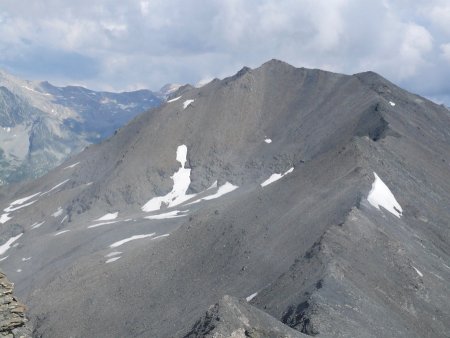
13, 322
236, 318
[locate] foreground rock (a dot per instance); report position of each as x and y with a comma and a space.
235, 318
12, 312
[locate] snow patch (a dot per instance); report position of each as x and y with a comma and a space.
108, 217
71, 166
4, 218
55, 187
173, 100
24, 199
380, 195
392, 103
418, 272
58, 212
112, 260
114, 253
132, 238
3, 258
268, 140
181, 180
253, 295
160, 236
213, 186
187, 103
36, 225
11, 208
275, 177
7, 245
100, 224
64, 218
224, 189
171, 214
24, 259
19, 270
61, 232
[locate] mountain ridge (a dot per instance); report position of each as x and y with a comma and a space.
311, 249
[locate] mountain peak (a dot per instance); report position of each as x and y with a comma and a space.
306, 168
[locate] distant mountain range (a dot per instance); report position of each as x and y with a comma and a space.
41, 124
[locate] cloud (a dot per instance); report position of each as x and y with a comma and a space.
123, 45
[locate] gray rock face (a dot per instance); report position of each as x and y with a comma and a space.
41, 125
329, 249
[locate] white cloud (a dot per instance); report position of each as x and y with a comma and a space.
416, 43
152, 42
445, 48
144, 7
440, 16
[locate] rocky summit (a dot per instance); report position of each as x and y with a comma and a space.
278, 202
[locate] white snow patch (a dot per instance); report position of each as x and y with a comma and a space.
55, 187
36, 225
114, 253
418, 272
24, 259
64, 218
8, 129
268, 140
187, 103
275, 177
203, 82
4, 218
11, 208
19, 270
173, 100
392, 103
61, 232
253, 295
3, 258
89, 183
5, 247
112, 260
132, 238
108, 217
213, 186
380, 195
160, 236
100, 224
24, 199
224, 189
171, 214
181, 180
58, 212
71, 166
31, 89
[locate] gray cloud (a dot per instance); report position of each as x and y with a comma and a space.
146, 43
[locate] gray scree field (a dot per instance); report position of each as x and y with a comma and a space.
279, 202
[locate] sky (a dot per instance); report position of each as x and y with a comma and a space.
130, 44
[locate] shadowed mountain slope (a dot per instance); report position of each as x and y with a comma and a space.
321, 198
